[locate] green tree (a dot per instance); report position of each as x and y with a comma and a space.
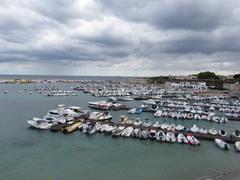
207, 75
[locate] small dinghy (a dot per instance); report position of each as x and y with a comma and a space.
182, 139
221, 144
212, 131
161, 136
194, 128
164, 126
237, 146
222, 133
192, 140
170, 137
179, 127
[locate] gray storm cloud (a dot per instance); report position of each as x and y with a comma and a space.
112, 37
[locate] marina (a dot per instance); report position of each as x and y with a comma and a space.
86, 129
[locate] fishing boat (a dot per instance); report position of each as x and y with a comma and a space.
161, 136
170, 137
221, 144
182, 139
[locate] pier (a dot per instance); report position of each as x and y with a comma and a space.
69, 128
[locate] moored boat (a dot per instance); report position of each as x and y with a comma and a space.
221, 144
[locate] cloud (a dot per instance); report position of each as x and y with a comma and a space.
111, 37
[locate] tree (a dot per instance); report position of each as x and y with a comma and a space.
207, 75
236, 76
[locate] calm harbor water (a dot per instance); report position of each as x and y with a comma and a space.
31, 154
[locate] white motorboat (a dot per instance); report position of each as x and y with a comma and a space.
136, 132
147, 123
170, 137
161, 136
127, 132
237, 146
94, 115
126, 98
182, 139
118, 131
192, 140
221, 144
202, 131
98, 126
137, 122
164, 126
144, 134
194, 128
39, 123
171, 127
104, 116
157, 124
179, 127
158, 113
93, 130
212, 131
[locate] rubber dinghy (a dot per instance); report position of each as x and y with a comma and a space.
221, 144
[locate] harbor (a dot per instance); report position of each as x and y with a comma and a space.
156, 130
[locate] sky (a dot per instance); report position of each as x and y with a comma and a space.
119, 37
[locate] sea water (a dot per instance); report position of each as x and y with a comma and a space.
41, 155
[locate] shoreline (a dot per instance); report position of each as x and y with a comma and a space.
230, 175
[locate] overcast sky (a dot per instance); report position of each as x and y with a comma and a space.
119, 37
